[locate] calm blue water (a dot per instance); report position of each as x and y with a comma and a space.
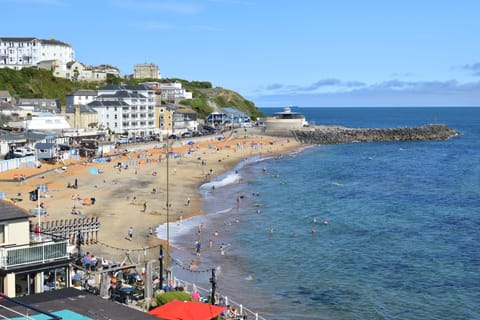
402, 242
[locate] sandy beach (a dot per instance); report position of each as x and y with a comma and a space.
137, 197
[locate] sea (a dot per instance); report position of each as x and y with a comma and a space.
381, 230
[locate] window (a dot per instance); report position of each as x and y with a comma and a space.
2, 233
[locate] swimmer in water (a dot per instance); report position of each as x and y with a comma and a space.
325, 222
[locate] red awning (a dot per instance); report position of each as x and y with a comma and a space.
180, 310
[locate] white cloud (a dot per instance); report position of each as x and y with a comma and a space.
386, 93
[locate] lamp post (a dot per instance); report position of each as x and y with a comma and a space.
160, 260
214, 284
168, 202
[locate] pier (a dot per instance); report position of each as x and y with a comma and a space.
340, 135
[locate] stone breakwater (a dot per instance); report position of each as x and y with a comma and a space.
338, 135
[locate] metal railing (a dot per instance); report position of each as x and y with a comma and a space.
244, 311
33, 254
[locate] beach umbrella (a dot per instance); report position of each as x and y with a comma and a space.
190, 143
93, 171
186, 310
38, 211
3, 195
42, 187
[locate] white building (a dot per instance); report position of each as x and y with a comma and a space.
126, 109
80, 97
170, 92
47, 122
18, 53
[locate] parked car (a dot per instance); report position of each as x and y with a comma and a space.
173, 136
187, 134
209, 130
63, 147
23, 152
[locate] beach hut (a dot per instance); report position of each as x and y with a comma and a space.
46, 150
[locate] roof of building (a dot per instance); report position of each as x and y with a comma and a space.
8, 211
77, 302
232, 111
5, 93
83, 92
107, 103
45, 145
114, 87
71, 63
26, 39
83, 109
6, 106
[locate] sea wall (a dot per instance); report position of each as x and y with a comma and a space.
338, 135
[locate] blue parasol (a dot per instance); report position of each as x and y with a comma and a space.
38, 211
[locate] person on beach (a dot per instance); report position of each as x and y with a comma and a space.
195, 295
145, 206
198, 247
130, 233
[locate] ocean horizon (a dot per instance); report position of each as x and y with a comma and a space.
402, 238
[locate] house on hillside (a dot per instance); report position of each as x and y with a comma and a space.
37, 105
22, 52
29, 262
226, 116
5, 97
146, 71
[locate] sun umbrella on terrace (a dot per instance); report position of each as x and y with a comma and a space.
180, 310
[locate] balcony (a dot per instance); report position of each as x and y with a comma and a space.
35, 253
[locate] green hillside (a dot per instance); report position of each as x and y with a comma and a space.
34, 83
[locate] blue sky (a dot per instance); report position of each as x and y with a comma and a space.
276, 53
